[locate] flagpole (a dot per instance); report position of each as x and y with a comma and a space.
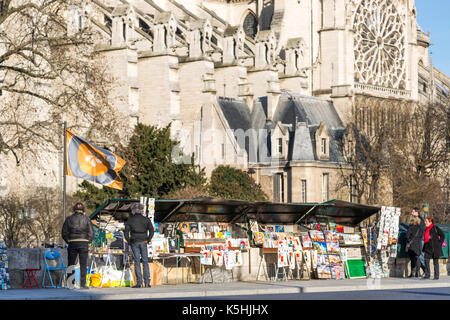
64, 171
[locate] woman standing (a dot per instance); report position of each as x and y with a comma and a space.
414, 237
434, 238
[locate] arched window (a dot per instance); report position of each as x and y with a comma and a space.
250, 25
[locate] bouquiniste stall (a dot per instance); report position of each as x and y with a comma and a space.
335, 239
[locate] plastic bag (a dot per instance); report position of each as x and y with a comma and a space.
95, 280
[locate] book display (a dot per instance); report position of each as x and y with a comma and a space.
328, 264
334, 240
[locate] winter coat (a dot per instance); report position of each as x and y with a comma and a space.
433, 248
138, 229
414, 236
77, 227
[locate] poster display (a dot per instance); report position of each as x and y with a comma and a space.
4, 274
306, 240
206, 257
381, 242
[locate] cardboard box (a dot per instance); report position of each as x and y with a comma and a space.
156, 271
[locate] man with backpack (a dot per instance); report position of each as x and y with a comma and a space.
138, 233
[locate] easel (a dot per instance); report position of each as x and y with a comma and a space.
126, 263
204, 273
302, 268
262, 260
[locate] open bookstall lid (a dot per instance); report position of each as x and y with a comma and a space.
207, 209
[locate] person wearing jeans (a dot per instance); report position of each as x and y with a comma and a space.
138, 233
78, 232
140, 251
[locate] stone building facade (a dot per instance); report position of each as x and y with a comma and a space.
263, 84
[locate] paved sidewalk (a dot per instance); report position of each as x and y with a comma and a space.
222, 289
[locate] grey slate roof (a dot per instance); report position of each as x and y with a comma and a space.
304, 113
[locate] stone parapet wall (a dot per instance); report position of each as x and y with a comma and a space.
19, 259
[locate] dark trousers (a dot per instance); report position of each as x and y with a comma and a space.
427, 267
415, 263
140, 250
79, 250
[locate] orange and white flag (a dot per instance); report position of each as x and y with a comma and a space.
87, 161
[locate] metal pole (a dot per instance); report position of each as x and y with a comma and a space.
64, 171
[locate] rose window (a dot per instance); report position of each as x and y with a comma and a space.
379, 44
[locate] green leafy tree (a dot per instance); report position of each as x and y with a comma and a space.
230, 183
150, 169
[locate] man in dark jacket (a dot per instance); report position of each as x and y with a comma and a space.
78, 232
138, 233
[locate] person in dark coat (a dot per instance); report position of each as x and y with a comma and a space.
416, 213
414, 237
138, 233
433, 240
78, 232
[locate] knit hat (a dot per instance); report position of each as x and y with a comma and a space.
78, 207
137, 208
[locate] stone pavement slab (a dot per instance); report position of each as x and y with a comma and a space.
222, 289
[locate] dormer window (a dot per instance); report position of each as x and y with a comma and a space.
322, 142
323, 145
280, 145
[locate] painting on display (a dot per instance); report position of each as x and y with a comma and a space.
258, 237
314, 258
298, 257
291, 257
297, 243
323, 272
335, 260
321, 247
306, 240
322, 259
331, 236
307, 257
218, 257
333, 248
228, 259
337, 272
317, 236
282, 258
206, 257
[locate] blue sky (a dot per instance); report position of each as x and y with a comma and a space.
434, 15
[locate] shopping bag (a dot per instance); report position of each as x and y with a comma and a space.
108, 276
95, 280
127, 278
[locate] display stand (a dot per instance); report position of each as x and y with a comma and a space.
302, 268
178, 257
202, 277
284, 274
262, 260
4, 274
